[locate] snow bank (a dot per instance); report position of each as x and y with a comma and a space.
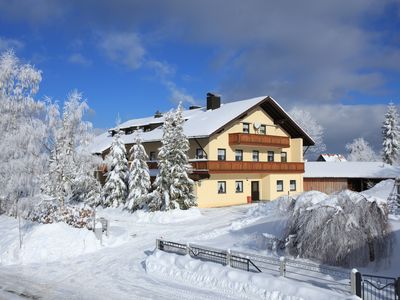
156, 217
381, 190
237, 283
48, 242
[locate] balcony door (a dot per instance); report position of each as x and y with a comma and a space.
255, 191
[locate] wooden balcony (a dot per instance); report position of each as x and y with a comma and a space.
217, 167
247, 139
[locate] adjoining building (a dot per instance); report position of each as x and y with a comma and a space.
337, 176
249, 149
331, 157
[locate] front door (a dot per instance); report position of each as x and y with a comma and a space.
255, 192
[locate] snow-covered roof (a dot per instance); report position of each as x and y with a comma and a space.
201, 123
350, 169
331, 157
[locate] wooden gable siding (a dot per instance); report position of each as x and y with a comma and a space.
325, 185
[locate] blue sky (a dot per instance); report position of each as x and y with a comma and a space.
135, 57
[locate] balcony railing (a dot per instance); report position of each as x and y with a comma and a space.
247, 167
248, 139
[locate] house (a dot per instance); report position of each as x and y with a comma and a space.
249, 148
337, 176
331, 158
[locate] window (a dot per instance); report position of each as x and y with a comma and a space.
279, 185
292, 185
152, 155
263, 129
283, 156
271, 155
256, 155
199, 153
221, 154
238, 155
221, 187
239, 186
246, 128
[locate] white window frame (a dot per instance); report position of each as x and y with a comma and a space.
221, 184
279, 186
295, 185
258, 155
240, 182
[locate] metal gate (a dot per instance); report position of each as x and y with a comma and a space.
380, 287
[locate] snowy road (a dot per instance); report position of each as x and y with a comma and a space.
57, 261
115, 273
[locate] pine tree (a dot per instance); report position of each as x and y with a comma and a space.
391, 135
174, 188
139, 177
115, 188
181, 190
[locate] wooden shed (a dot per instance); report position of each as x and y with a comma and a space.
331, 177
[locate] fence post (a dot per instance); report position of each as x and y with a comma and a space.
282, 266
188, 249
397, 287
355, 279
158, 244
228, 257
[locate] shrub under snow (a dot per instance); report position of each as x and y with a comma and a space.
344, 229
49, 212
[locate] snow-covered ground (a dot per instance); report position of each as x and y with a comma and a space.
57, 261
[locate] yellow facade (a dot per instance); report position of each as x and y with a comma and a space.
206, 189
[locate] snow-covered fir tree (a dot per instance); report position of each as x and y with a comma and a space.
391, 135
23, 134
174, 188
360, 150
310, 125
71, 168
115, 189
139, 177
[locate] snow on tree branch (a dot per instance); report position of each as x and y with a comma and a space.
360, 150
391, 135
310, 125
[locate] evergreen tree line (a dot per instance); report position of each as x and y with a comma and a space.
129, 186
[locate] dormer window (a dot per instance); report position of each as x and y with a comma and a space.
246, 127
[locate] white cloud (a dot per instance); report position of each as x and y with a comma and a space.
165, 72
79, 59
6, 44
123, 48
343, 123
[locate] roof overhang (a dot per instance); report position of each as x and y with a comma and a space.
280, 117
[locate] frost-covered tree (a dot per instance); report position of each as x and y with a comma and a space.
393, 201
174, 188
311, 127
23, 133
115, 189
360, 150
139, 177
391, 135
344, 229
71, 168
